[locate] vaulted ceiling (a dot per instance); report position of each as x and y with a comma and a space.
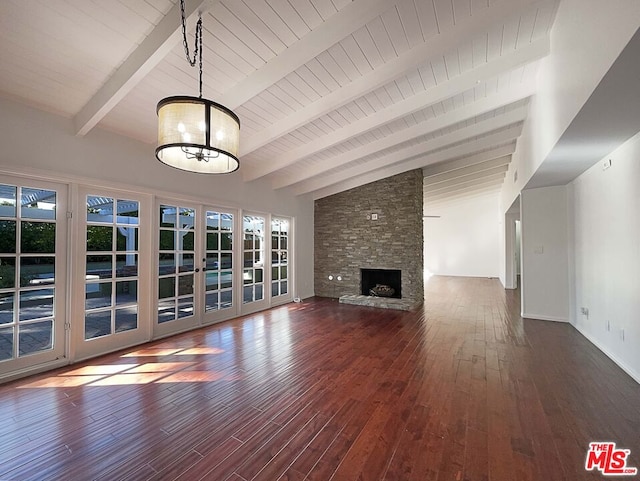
331, 94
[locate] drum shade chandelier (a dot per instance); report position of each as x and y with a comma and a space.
196, 134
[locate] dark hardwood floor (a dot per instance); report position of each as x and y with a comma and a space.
463, 389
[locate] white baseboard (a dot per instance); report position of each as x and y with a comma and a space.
541, 317
32, 370
631, 372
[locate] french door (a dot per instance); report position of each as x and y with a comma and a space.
217, 280
140, 269
195, 284
280, 271
254, 281
112, 234
33, 239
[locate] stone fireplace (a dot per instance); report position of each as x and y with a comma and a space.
377, 226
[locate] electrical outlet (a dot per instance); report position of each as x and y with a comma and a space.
585, 311
622, 334
608, 325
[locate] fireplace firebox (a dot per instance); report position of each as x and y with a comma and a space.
372, 278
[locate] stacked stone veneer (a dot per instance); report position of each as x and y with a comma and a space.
346, 239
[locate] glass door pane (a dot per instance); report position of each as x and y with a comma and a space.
32, 277
111, 267
280, 258
176, 263
218, 264
253, 271
253, 254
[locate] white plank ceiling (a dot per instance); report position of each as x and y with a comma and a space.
331, 94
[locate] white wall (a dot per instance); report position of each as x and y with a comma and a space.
508, 270
586, 38
579, 59
34, 142
606, 261
545, 253
517, 246
464, 241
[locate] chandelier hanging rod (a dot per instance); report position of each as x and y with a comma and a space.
198, 42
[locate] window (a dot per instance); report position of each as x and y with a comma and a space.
253, 255
219, 261
29, 284
279, 257
111, 275
176, 263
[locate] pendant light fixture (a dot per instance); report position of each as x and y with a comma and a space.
196, 134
